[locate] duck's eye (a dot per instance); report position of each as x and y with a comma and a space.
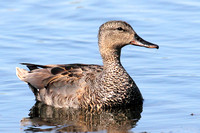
120, 28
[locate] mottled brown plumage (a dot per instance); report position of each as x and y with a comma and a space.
89, 86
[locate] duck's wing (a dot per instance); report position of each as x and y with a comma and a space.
50, 81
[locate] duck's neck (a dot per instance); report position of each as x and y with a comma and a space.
111, 58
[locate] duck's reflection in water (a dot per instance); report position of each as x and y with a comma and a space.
44, 118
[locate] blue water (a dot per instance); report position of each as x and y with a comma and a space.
56, 32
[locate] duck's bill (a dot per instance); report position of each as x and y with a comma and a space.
138, 41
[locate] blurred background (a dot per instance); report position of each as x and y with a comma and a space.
63, 32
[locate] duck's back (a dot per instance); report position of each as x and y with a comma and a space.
60, 85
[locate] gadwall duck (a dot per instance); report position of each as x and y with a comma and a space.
86, 85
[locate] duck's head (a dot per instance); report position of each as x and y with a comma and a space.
116, 34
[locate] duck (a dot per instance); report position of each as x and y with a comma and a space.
90, 86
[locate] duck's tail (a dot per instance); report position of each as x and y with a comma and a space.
21, 73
